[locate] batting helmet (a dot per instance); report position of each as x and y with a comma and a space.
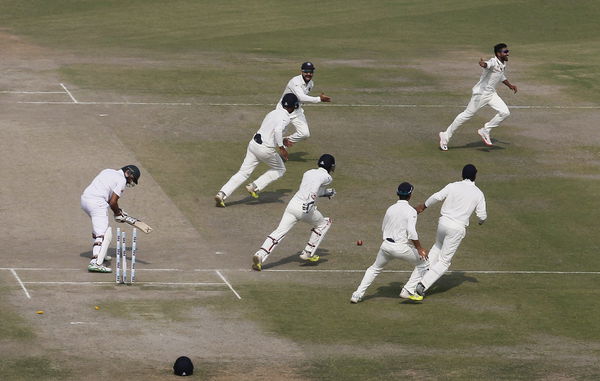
134, 171
405, 189
327, 161
307, 67
290, 100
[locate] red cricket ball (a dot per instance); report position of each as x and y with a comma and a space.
359, 242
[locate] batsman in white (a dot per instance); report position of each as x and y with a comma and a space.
400, 240
103, 193
266, 146
484, 93
300, 86
302, 207
460, 199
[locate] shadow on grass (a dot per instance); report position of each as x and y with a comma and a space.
445, 283
299, 156
482, 147
264, 198
295, 258
449, 281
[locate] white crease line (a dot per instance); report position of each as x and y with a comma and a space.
142, 283
69, 93
21, 283
325, 271
228, 284
349, 105
31, 92
81, 323
451, 272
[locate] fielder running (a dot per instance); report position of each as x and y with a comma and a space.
104, 192
300, 86
302, 207
400, 240
266, 146
460, 199
484, 93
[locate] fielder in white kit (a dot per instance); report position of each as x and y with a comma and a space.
103, 193
484, 93
300, 86
460, 199
401, 241
302, 207
266, 146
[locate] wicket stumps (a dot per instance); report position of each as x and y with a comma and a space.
121, 253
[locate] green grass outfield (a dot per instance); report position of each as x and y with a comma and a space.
542, 192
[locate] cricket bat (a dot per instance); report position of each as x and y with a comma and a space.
138, 224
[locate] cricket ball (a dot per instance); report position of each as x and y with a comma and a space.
359, 242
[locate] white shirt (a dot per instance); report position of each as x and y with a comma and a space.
400, 222
107, 182
299, 88
271, 129
313, 185
490, 76
460, 199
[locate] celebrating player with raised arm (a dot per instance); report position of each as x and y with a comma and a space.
484, 93
300, 86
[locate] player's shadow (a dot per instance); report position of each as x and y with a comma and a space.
113, 253
445, 283
295, 258
264, 198
298, 156
449, 281
482, 147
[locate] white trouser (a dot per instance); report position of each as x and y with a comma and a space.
387, 252
298, 120
478, 101
448, 238
97, 209
292, 214
256, 154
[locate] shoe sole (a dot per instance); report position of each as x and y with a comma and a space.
256, 265
314, 258
95, 270
219, 203
415, 298
490, 144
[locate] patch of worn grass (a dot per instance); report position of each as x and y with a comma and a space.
31, 368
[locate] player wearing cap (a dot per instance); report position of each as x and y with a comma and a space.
300, 86
460, 199
484, 93
103, 193
400, 240
266, 146
302, 207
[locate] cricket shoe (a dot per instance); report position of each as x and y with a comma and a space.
95, 268
405, 294
443, 141
309, 257
355, 298
256, 262
220, 199
251, 188
419, 293
485, 137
